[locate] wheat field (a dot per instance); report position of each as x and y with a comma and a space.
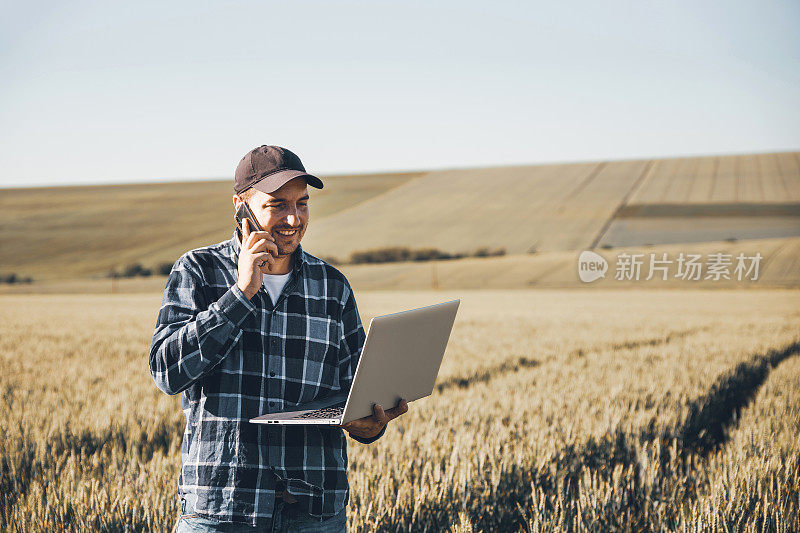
560, 207
91, 230
555, 410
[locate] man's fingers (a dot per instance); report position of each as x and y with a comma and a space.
264, 256
272, 247
380, 415
400, 409
264, 245
257, 238
264, 262
245, 229
266, 235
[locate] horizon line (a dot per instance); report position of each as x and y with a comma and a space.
190, 179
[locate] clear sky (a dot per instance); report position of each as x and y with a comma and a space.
107, 92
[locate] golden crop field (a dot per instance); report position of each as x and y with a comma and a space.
89, 230
551, 208
555, 410
561, 207
752, 178
520, 208
780, 268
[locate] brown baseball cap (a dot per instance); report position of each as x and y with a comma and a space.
267, 168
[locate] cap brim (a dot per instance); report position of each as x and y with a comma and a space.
273, 182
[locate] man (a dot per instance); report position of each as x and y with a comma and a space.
256, 325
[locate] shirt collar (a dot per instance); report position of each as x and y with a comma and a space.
234, 246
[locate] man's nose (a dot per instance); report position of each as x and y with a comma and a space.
291, 217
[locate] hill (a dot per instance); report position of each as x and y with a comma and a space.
82, 232
779, 268
575, 206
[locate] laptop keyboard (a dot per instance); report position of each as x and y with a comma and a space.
329, 412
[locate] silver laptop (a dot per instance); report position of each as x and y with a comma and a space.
401, 358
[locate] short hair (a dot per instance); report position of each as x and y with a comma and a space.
247, 194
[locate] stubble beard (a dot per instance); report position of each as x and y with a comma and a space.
288, 249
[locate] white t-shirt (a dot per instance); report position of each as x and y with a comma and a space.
274, 284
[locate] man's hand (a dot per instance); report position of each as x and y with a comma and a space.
369, 426
257, 247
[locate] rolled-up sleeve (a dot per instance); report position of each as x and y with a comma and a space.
193, 335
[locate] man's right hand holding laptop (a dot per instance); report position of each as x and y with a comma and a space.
370, 426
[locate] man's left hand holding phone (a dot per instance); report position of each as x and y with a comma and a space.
256, 256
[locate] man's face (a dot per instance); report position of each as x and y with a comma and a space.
283, 213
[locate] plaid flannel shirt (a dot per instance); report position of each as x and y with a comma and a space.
234, 359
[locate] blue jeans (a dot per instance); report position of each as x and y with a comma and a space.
287, 518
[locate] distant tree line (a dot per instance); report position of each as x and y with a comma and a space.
394, 254
391, 254
137, 269
13, 278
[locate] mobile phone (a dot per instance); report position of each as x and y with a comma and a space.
244, 212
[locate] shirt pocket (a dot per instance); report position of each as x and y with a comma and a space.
323, 338
322, 349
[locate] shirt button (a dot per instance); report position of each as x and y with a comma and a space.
272, 374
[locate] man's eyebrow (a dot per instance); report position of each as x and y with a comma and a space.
280, 200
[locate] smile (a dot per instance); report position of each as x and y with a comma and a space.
286, 233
